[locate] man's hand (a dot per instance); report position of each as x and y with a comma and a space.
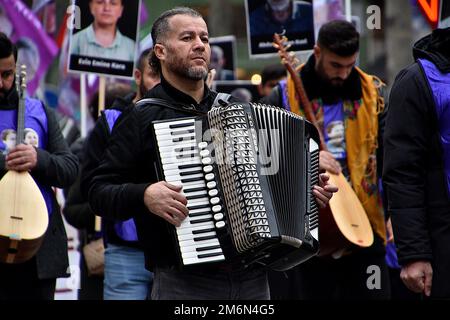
417, 276
389, 231
328, 163
166, 201
23, 157
324, 191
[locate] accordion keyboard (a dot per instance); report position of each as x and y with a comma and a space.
187, 164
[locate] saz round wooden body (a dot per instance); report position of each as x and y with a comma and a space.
346, 224
23, 217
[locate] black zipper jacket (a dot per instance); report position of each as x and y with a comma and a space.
413, 171
127, 169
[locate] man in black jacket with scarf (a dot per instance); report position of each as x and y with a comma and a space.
417, 166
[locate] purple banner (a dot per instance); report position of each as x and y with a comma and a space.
36, 48
144, 13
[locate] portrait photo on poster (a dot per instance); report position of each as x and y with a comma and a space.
444, 16
105, 41
294, 18
223, 57
244, 90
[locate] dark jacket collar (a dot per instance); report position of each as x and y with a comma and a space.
11, 100
121, 103
436, 48
171, 93
316, 87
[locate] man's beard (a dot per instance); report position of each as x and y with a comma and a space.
335, 83
184, 70
142, 89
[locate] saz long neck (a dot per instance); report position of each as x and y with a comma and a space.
21, 108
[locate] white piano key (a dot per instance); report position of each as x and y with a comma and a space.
167, 124
175, 176
195, 254
189, 228
172, 166
190, 144
191, 244
208, 259
190, 236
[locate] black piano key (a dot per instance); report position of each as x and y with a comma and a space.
177, 133
199, 213
186, 156
202, 220
201, 206
183, 139
192, 179
208, 248
207, 255
203, 231
205, 238
188, 173
181, 125
194, 190
185, 149
189, 166
198, 196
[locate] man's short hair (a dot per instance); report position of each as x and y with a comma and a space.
272, 72
340, 37
161, 27
7, 47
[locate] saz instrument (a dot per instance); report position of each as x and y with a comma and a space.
347, 223
23, 212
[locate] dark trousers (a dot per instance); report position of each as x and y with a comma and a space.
170, 284
91, 287
20, 282
362, 275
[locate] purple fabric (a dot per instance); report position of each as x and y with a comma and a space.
27, 30
111, 117
391, 256
440, 86
283, 91
126, 230
144, 13
36, 120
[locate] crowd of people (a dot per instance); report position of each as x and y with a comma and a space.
394, 151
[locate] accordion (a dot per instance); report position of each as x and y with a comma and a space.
247, 171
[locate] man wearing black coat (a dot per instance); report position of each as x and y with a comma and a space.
416, 168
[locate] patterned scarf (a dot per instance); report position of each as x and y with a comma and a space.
361, 132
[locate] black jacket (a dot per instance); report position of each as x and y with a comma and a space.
413, 171
93, 151
127, 169
56, 167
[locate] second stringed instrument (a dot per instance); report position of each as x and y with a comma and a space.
23, 212
347, 223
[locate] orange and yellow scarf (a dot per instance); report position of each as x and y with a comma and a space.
361, 133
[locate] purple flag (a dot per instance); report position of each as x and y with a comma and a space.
144, 13
36, 48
